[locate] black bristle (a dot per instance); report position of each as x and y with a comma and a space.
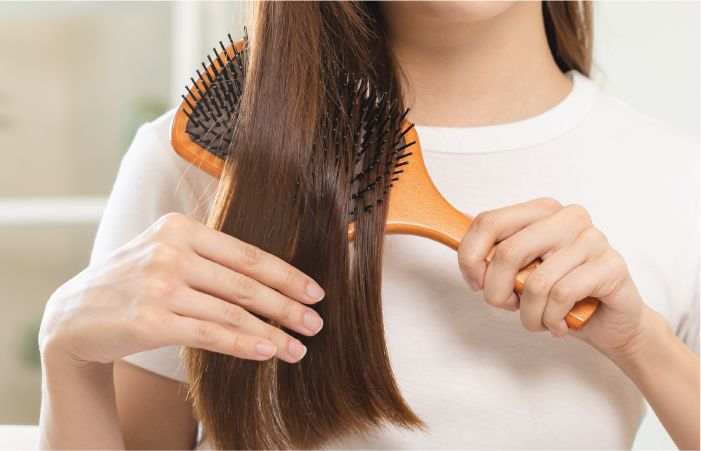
192, 107
362, 129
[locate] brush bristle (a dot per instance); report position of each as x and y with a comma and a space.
211, 104
363, 134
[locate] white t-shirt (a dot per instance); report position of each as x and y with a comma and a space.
470, 371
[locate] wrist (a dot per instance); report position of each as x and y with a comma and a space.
56, 360
75, 395
647, 347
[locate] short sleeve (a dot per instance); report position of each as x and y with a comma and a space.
152, 180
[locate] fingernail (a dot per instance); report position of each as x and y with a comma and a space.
474, 286
312, 322
265, 350
296, 349
315, 292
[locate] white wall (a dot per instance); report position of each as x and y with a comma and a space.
197, 27
647, 53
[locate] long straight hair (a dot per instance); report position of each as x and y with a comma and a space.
345, 382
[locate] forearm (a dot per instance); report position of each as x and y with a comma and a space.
78, 409
667, 374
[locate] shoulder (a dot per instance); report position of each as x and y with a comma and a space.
615, 123
639, 178
152, 164
640, 156
152, 180
151, 149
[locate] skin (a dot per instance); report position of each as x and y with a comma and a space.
178, 283
139, 298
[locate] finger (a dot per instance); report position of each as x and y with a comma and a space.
590, 243
537, 239
214, 337
493, 226
540, 238
598, 278
255, 263
195, 304
217, 280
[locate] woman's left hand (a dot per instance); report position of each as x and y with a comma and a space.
578, 262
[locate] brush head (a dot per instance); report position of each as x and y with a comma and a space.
362, 134
211, 102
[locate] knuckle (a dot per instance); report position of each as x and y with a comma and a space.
593, 235
286, 310
561, 293
292, 279
251, 255
245, 288
536, 286
158, 289
579, 213
238, 343
617, 260
467, 260
276, 335
549, 203
172, 224
205, 334
508, 252
234, 315
484, 222
616, 263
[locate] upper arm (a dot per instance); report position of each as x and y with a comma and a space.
154, 412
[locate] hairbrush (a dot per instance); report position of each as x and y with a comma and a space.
202, 131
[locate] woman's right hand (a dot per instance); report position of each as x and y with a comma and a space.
182, 283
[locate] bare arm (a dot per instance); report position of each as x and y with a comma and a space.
78, 407
154, 412
667, 373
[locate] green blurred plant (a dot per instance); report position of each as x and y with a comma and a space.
144, 110
5, 122
28, 348
5, 119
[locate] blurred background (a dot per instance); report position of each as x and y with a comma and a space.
78, 79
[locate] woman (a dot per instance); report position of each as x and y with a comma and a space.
507, 125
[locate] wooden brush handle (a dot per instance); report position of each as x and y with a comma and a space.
454, 224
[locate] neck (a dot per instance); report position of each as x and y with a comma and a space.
487, 72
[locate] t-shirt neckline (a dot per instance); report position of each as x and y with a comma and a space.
535, 130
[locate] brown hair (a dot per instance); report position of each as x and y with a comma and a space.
345, 383
568, 26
